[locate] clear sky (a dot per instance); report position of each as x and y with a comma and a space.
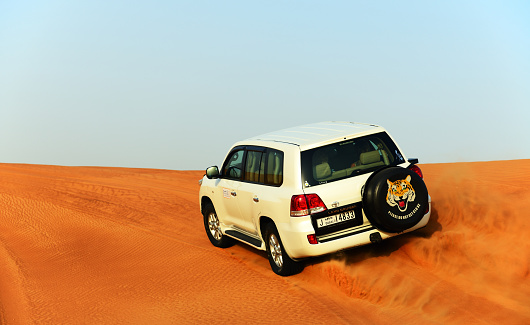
173, 84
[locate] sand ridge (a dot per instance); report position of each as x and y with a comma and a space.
121, 245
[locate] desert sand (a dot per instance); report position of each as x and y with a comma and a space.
91, 245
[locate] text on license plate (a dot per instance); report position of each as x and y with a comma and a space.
345, 216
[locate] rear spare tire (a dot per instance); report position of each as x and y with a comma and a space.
395, 199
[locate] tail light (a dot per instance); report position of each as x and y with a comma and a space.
417, 170
306, 204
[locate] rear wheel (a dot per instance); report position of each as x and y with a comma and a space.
280, 262
213, 228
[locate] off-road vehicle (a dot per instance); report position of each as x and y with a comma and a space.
313, 190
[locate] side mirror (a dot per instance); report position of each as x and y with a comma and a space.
212, 172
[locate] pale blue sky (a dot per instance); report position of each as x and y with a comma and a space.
173, 84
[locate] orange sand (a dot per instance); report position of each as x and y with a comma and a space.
115, 245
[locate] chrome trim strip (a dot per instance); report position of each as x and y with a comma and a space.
344, 233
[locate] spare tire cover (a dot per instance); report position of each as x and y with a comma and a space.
395, 199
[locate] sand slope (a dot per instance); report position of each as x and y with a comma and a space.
116, 245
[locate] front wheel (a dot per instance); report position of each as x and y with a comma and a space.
213, 228
280, 262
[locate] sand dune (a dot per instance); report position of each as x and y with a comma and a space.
116, 245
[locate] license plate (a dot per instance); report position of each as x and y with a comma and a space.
337, 218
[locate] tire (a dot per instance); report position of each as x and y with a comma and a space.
213, 229
280, 262
395, 199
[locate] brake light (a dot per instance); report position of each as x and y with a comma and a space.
315, 203
299, 206
417, 170
304, 205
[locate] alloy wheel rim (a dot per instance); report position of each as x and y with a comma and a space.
276, 250
213, 225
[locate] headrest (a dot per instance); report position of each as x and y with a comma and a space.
322, 171
370, 157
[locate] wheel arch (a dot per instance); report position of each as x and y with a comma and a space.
263, 222
204, 201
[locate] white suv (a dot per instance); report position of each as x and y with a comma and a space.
313, 190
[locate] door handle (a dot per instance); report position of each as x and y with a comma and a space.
256, 199
233, 193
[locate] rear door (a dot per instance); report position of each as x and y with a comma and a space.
263, 174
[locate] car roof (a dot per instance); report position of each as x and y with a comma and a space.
317, 133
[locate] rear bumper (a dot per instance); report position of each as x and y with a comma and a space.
295, 242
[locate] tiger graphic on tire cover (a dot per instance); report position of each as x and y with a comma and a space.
400, 193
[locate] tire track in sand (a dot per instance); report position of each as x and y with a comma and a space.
92, 264
130, 246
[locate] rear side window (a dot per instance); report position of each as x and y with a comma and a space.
265, 166
348, 159
273, 168
253, 167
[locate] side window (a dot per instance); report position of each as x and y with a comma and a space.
234, 165
274, 167
252, 167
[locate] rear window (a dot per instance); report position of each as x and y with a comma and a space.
348, 159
